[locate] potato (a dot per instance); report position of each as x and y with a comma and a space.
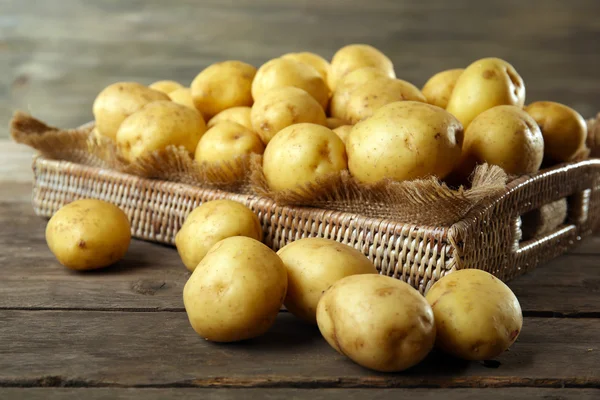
477, 316
88, 234
223, 85
313, 265
282, 107
210, 223
505, 136
236, 291
438, 88
314, 60
301, 154
404, 140
379, 322
484, 84
343, 132
564, 130
239, 115
226, 142
183, 96
158, 125
369, 97
282, 72
352, 57
167, 87
118, 101
333, 123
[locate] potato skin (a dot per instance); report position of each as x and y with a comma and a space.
210, 223
355, 56
88, 234
438, 89
313, 265
239, 115
477, 316
343, 132
166, 86
226, 142
564, 130
404, 140
379, 322
118, 101
333, 123
183, 96
484, 84
314, 60
301, 154
282, 107
236, 292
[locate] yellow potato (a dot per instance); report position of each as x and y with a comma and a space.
282, 107
118, 101
158, 125
166, 87
239, 115
505, 136
226, 142
379, 322
312, 59
564, 130
210, 223
221, 86
439, 87
282, 72
88, 234
371, 96
477, 316
484, 84
343, 132
333, 123
236, 291
404, 140
183, 96
313, 265
301, 154
355, 56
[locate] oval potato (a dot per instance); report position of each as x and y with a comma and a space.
320, 64
438, 89
166, 86
183, 96
239, 115
355, 56
226, 142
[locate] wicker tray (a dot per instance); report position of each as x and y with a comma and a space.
488, 238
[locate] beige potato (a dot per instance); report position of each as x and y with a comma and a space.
404, 140
312, 59
167, 86
379, 322
477, 316
236, 291
301, 154
226, 142
282, 72
210, 223
239, 115
183, 96
564, 130
333, 123
371, 96
355, 56
439, 87
313, 265
281, 107
343, 132
88, 234
223, 85
484, 84
158, 125
118, 101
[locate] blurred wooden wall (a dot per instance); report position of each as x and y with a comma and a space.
56, 55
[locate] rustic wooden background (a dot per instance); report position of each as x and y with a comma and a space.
56, 55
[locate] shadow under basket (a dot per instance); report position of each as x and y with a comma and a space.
536, 219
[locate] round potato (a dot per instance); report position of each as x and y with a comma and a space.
158, 125
166, 87
439, 87
505, 136
88, 234
343, 132
404, 140
239, 115
183, 96
371, 96
282, 72
477, 316
226, 142
223, 85
236, 291
300, 155
355, 56
282, 107
118, 101
312, 59
484, 84
564, 130
333, 123
379, 322
313, 265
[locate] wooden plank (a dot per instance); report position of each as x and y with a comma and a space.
74, 348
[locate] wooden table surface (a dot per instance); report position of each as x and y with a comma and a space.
123, 332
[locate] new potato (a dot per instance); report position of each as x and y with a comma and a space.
355, 56
226, 142
183, 96
166, 86
239, 115
438, 88
320, 64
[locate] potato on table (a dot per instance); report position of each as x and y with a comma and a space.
239, 115
438, 88
166, 86
355, 56
314, 60
183, 96
226, 142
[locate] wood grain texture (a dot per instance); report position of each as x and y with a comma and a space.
58, 54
